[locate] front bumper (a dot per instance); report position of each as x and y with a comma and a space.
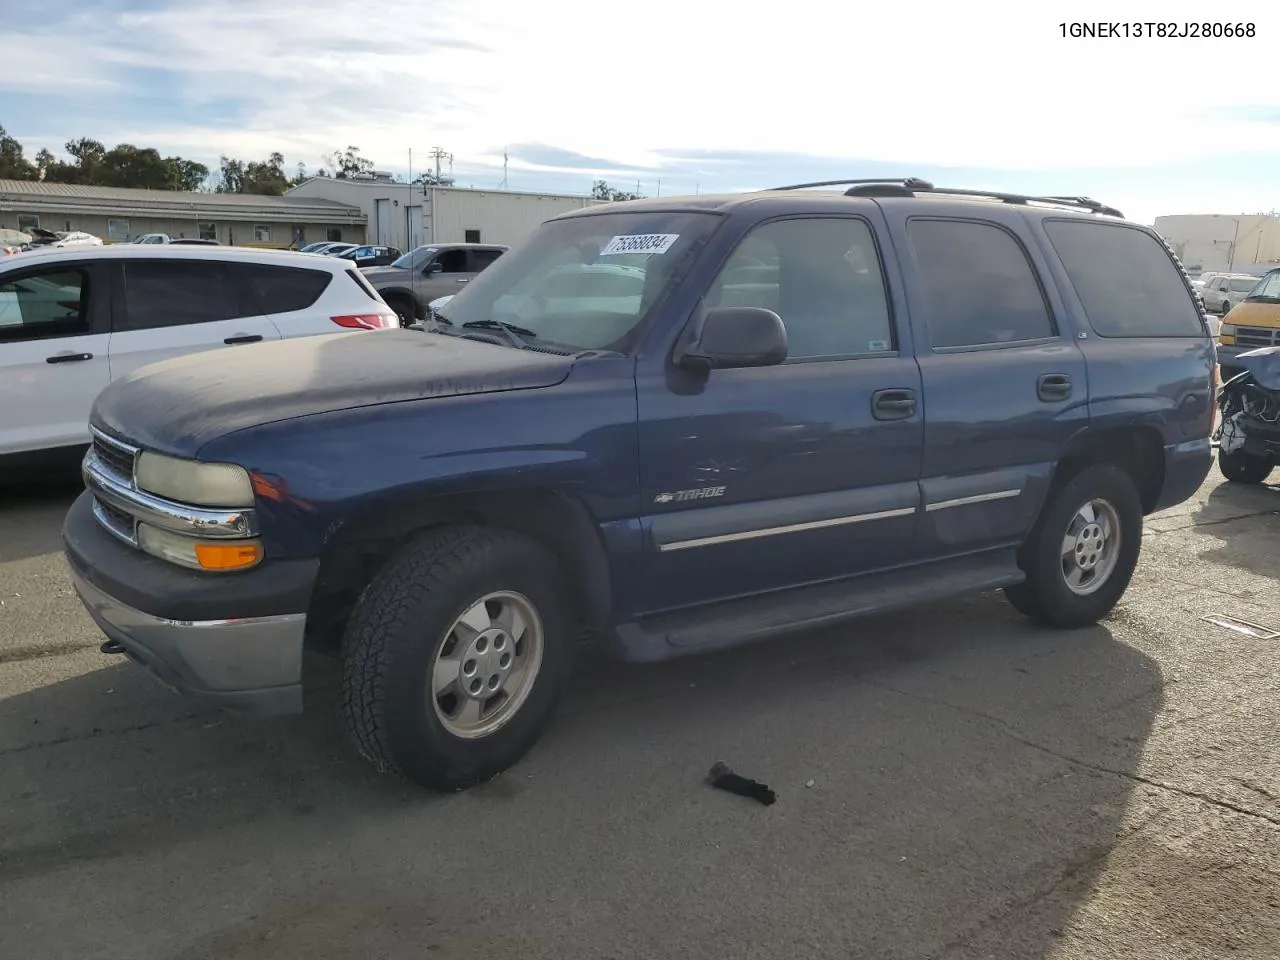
234, 640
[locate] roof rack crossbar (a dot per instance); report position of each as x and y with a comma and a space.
914, 183
1082, 202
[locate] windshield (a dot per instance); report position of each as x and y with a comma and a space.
1267, 289
415, 259
586, 282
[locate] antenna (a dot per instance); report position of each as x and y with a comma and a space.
504, 168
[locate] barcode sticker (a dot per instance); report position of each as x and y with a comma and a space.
639, 243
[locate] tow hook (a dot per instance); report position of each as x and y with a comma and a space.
111, 647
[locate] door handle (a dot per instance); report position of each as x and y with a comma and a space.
69, 357
893, 404
462, 280
1052, 387
247, 338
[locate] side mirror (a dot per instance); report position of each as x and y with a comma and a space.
435, 266
732, 337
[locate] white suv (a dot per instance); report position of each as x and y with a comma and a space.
72, 320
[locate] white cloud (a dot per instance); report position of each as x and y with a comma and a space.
986, 85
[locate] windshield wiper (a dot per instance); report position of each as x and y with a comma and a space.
514, 333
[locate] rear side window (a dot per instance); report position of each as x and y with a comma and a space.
482, 258
980, 287
282, 289
174, 293
360, 281
1126, 281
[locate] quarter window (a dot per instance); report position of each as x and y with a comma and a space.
979, 286
1126, 280
281, 289
821, 276
172, 294
482, 258
42, 305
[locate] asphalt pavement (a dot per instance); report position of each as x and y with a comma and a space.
952, 783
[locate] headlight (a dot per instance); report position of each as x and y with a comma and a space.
1227, 334
189, 481
212, 555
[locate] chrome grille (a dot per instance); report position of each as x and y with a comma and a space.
1257, 337
115, 521
116, 455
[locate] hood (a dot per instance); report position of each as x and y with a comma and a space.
1255, 314
180, 405
1263, 365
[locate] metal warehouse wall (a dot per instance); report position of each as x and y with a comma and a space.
497, 216
239, 233
1217, 242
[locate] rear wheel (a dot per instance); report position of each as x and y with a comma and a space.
1082, 550
404, 308
1241, 467
455, 656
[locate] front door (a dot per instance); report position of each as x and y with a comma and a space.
1004, 382
759, 479
168, 308
53, 354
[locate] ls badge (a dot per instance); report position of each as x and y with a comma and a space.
697, 493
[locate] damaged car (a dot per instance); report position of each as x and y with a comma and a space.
1249, 437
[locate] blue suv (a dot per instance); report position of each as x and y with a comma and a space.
673, 425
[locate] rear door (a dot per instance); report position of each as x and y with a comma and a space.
1004, 382
477, 260
169, 307
54, 333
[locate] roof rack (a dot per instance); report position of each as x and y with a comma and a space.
910, 186
911, 183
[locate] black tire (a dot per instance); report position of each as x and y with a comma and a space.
1044, 596
399, 625
404, 308
1241, 467
1224, 309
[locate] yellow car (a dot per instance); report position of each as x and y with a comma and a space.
1252, 323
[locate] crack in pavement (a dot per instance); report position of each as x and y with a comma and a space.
97, 732
20, 654
1211, 523
1013, 734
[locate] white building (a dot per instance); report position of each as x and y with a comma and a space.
405, 215
1244, 243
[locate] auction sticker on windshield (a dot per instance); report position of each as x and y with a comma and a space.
639, 243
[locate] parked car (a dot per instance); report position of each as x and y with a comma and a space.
819, 406
151, 238
317, 247
430, 272
371, 256
334, 249
1249, 435
1222, 290
73, 320
1252, 324
194, 242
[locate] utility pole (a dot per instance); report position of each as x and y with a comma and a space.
504, 168
438, 154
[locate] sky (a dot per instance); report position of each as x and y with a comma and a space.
679, 96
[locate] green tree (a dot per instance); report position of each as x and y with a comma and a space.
13, 163
600, 190
347, 163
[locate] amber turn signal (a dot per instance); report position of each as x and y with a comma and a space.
228, 556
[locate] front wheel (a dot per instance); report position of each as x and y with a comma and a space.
455, 656
1241, 467
1082, 550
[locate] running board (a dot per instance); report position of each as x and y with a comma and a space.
732, 623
